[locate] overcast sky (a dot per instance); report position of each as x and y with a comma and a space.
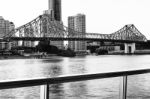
102, 16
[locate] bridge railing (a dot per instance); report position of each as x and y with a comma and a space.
45, 82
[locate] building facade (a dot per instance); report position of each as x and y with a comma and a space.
47, 33
77, 23
71, 28
54, 11
5, 29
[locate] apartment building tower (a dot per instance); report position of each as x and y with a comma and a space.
54, 11
54, 6
77, 23
5, 29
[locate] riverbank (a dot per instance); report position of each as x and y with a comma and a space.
137, 52
27, 56
4, 57
13, 57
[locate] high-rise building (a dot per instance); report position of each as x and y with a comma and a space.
71, 28
77, 23
54, 11
5, 29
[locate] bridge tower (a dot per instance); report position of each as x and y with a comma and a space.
54, 11
129, 48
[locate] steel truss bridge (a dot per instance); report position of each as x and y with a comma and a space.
45, 28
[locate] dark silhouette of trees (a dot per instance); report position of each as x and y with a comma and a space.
44, 46
67, 53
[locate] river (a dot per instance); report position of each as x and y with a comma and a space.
138, 85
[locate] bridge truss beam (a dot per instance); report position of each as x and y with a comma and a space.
44, 27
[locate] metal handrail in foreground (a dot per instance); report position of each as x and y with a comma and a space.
71, 78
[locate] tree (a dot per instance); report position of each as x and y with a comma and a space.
44, 46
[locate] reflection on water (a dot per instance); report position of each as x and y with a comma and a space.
78, 90
20, 93
57, 91
138, 86
55, 70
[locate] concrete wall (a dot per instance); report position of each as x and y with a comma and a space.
127, 45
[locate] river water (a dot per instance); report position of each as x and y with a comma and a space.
110, 88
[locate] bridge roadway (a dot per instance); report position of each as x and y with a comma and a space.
70, 39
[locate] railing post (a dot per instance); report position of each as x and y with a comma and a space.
125, 86
123, 90
44, 91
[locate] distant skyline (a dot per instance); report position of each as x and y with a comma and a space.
102, 16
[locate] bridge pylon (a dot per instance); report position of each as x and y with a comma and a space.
129, 48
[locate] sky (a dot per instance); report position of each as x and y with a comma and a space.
102, 16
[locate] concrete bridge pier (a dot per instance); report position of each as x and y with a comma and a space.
129, 48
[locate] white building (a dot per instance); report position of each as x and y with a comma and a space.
77, 23
54, 11
5, 30
4, 27
59, 44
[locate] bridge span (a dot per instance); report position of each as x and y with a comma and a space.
45, 28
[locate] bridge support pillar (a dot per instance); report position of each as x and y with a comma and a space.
129, 48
